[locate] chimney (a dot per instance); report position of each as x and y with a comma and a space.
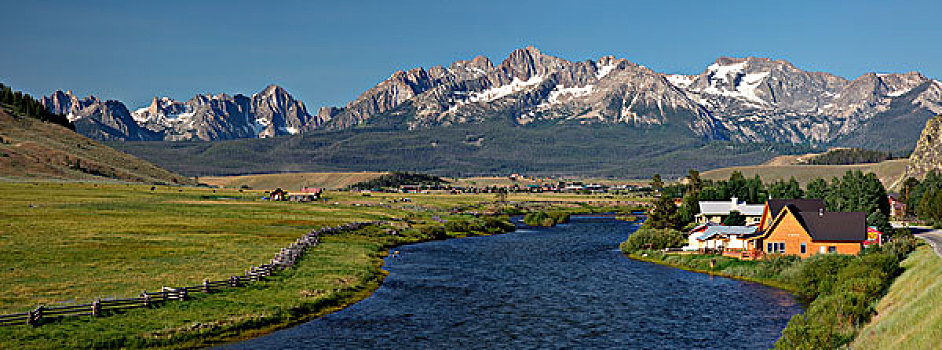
820, 211
735, 201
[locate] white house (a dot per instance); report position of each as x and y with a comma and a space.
716, 211
719, 237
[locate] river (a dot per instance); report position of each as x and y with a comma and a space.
561, 287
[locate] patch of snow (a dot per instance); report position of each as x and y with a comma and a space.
899, 92
604, 70
290, 129
72, 117
185, 115
561, 91
722, 71
682, 81
501, 91
746, 89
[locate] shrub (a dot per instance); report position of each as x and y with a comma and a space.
543, 218
649, 238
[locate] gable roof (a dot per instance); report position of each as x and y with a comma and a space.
725, 207
822, 225
808, 205
835, 226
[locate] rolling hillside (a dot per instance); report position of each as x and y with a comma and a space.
33, 149
889, 171
291, 181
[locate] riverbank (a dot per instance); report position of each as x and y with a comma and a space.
702, 266
840, 288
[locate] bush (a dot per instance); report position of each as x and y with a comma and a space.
478, 226
649, 238
543, 218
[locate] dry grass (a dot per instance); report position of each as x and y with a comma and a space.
292, 181
889, 171
31, 149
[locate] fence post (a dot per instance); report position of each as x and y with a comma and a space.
35, 316
206, 285
96, 307
182, 294
163, 292
146, 298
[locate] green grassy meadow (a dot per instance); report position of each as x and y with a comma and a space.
75, 242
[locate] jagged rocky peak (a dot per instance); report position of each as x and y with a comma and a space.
529, 62
479, 66
736, 85
103, 120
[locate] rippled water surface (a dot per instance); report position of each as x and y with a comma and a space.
561, 287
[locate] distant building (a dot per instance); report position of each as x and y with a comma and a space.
897, 207
717, 211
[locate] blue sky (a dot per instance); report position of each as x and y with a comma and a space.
328, 52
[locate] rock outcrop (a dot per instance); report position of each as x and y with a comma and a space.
928, 153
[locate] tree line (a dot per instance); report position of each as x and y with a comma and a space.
25, 105
924, 198
846, 156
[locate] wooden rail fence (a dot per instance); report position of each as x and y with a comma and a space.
285, 258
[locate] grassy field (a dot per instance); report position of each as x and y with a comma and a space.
291, 181
74, 242
910, 315
889, 171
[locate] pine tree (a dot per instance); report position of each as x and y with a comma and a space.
663, 215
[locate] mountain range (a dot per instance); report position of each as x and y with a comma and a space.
736, 99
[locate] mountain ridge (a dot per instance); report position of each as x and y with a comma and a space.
749, 99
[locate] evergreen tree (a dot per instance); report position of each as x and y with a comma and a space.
735, 218
816, 189
657, 183
694, 183
689, 208
786, 190
663, 215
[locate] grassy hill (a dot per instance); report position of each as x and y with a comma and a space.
888, 171
291, 181
487, 149
910, 315
34, 149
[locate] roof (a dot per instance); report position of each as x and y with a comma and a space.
725, 230
808, 205
724, 207
835, 226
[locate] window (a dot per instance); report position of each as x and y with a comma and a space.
769, 248
803, 248
781, 247
832, 249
